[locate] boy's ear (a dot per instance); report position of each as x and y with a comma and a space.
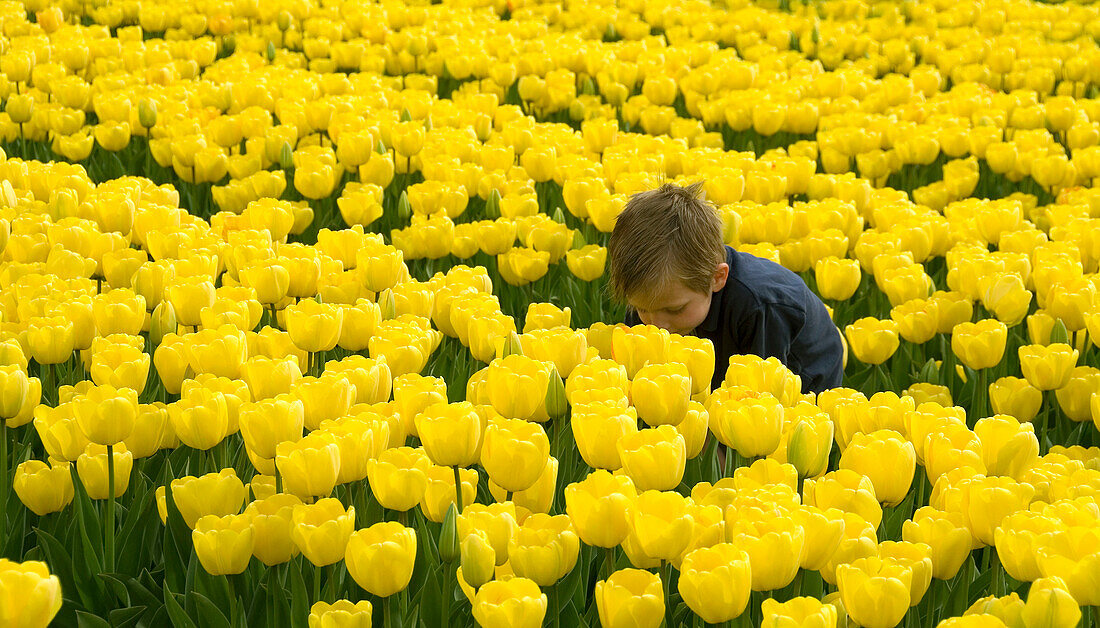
721, 275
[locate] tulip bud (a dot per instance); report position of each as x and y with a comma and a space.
512, 345
286, 156
270, 51
427, 123
610, 33
380, 148
404, 209
147, 113
1059, 333
558, 215
387, 306
588, 88
930, 372
449, 550
162, 322
406, 115
556, 404
578, 240
478, 559
283, 20
492, 206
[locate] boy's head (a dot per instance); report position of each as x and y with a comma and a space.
667, 256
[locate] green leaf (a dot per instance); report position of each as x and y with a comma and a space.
208, 612
127, 617
175, 611
430, 599
299, 596
87, 620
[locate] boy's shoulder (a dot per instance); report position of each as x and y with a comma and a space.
758, 281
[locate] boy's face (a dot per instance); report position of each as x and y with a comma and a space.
676, 307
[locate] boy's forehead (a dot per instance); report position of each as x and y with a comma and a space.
660, 295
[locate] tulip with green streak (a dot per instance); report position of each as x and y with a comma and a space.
1049, 604
477, 558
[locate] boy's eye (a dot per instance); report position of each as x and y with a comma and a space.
676, 310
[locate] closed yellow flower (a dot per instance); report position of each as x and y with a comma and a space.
804, 612
600, 507
341, 614
660, 393
272, 520
1047, 367
871, 340
514, 453
106, 415
309, 466
630, 598
875, 592
223, 544
516, 603
32, 597
653, 458
380, 558
92, 469
321, 530
714, 582
398, 477
887, 459
979, 345
43, 488
451, 433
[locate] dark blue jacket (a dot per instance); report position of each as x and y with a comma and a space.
767, 310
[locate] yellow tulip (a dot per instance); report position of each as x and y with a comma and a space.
714, 582
630, 597
380, 558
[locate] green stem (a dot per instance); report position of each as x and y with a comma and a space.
666, 580
316, 585
450, 579
458, 490
278, 481
109, 529
5, 484
609, 561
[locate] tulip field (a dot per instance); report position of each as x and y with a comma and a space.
304, 315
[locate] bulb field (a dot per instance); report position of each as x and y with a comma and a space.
304, 315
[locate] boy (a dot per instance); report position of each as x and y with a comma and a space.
671, 267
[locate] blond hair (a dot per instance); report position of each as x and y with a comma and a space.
668, 234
